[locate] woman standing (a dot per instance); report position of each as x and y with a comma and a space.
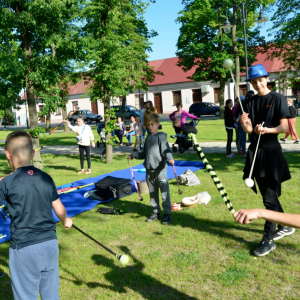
121, 130
291, 121
150, 109
229, 124
178, 118
84, 136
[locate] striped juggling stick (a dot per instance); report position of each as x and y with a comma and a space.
212, 173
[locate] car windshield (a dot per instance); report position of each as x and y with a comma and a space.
88, 112
132, 108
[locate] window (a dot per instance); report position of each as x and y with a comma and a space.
58, 112
176, 97
132, 108
217, 95
75, 105
243, 90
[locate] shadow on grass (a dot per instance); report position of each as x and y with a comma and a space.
131, 277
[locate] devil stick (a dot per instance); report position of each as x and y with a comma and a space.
137, 189
212, 173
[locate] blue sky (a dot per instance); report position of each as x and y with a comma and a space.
161, 16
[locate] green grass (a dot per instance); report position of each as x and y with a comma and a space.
208, 130
202, 254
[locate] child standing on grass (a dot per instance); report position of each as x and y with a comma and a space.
270, 168
30, 195
157, 153
138, 128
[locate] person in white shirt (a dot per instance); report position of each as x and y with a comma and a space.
138, 128
84, 136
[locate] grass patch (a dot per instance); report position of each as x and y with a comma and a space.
202, 254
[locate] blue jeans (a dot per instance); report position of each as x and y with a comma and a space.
243, 138
129, 136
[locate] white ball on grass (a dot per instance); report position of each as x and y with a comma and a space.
249, 182
228, 63
124, 260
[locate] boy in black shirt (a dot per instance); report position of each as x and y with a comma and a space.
270, 168
157, 153
30, 195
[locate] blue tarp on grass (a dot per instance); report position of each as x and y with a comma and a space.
75, 203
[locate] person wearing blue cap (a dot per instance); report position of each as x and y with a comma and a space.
270, 167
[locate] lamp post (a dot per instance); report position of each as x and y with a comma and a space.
227, 29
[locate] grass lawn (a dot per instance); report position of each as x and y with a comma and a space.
202, 254
208, 130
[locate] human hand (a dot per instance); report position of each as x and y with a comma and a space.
68, 224
65, 121
259, 129
93, 144
244, 118
171, 161
245, 216
129, 157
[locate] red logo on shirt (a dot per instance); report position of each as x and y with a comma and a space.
268, 105
30, 172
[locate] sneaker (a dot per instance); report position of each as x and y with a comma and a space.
88, 171
80, 172
229, 156
102, 156
153, 217
264, 248
283, 140
297, 142
167, 219
1, 275
283, 231
134, 149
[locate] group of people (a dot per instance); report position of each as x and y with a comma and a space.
30, 193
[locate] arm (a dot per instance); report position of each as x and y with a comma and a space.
61, 213
190, 115
171, 116
245, 216
246, 123
283, 127
92, 137
73, 128
165, 149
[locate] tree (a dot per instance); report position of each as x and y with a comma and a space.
116, 39
28, 29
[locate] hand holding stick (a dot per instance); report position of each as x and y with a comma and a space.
179, 190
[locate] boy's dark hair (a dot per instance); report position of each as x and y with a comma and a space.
19, 148
80, 117
132, 116
154, 118
179, 104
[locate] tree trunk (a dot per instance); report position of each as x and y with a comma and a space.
123, 107
109, 148
222, 90
65, 115
48, 121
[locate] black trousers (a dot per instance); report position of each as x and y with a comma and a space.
267, 187
119, 134
87, 150
177, 129
229, 140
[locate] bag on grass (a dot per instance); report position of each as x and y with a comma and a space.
188, 178
113, 187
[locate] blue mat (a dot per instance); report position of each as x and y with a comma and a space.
75, 203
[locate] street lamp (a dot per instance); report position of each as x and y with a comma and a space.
260, 20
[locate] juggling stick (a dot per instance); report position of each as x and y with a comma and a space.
249, 182
136, 186
212, 173
123, 259
179, 190
62, 122
75, 188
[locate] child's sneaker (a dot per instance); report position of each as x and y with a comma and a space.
283, 231
80, 172
297, 142
283, 140
167, 219
88, 171
153, 217
264, 248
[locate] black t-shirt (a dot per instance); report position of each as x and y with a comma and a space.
269, 109
292, 112
29, 193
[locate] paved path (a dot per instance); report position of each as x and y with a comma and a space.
207, 147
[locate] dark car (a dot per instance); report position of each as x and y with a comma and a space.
129, 111
87, 115
204, 108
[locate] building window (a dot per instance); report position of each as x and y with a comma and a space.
176, 97
217, 95
75, 105
197, 95
58, 112
243, 90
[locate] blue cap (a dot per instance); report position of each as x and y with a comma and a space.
257, 71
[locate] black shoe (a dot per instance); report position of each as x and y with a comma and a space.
134, 149
166, 220
297, 142
264, 248
283, 231
153, 217
283, 140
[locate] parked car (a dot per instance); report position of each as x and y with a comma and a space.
129, 111
88, 116
204, 108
